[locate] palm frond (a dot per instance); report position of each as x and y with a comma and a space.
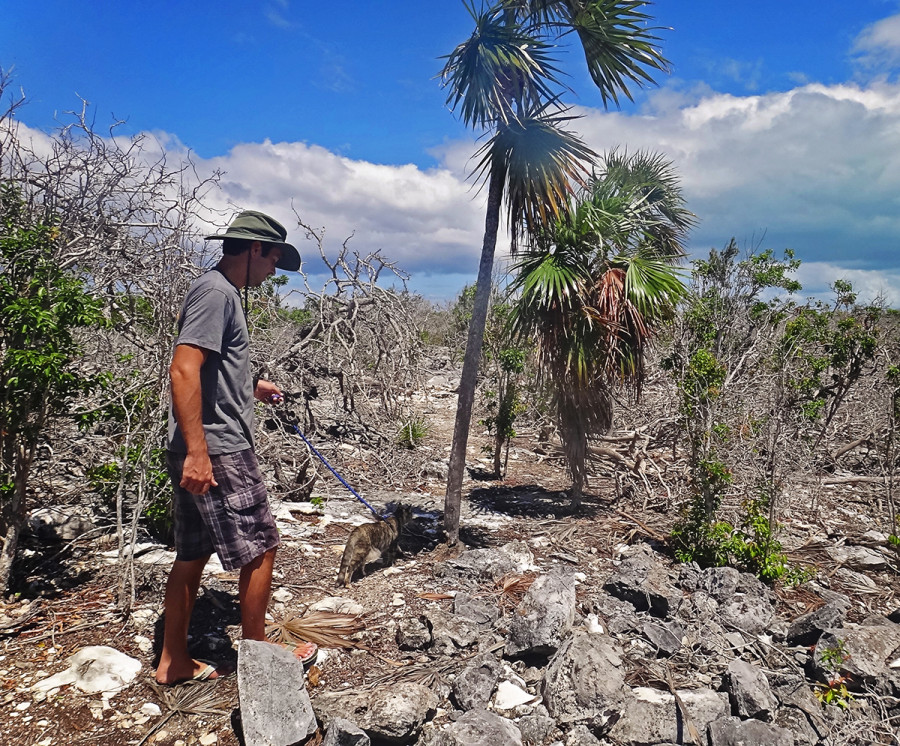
498, 70
541, 162
512, 588
325, 628
619, 48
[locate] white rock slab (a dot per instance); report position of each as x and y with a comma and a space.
93, 669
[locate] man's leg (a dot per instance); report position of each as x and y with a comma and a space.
181, 591
254, 590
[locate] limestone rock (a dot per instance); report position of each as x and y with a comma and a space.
581, 736
449, 633
749, 691
861, 653
732, 731
480, 728
544, 617
413, 634
584, 681
651, 716
488, 564
752, 606
275, 707
345, 733
394, 714
536, 727
474, 685
807, 629
643, 581
479, 610
94, 669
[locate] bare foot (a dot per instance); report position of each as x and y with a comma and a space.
198, 671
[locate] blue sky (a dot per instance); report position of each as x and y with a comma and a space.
782, 118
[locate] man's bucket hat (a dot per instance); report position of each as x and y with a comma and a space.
257, 226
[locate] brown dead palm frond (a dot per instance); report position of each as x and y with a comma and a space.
326, 629
190, 698
513, 586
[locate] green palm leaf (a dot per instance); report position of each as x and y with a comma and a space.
619, 48
497, 71
541, 162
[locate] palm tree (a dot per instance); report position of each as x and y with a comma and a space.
504, 81
594, 287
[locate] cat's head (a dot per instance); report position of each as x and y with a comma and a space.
403, 514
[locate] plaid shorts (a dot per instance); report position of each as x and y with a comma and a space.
233, 519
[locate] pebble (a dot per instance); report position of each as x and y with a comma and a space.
151, 709
208, 739
144, 643
398, 600
23, 706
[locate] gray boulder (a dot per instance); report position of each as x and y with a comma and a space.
479, 728
536, 727
488, 564
651, 716
413, 634
666, 638
580, 735
749, 691
733, 731
805, 630
474, 685
345, 733
393, 714
544, 617
449, 633
751, 608
584, 681
479, 610
275, 707
861, 653
643, 581
719, 582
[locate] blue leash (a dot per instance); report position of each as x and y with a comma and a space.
331, 469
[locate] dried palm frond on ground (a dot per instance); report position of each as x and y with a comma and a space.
326, 629
190, 698
513, 587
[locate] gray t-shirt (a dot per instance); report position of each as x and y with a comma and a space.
212, 318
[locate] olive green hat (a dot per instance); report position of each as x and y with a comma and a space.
257, 226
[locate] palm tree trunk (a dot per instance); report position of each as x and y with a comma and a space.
469, 377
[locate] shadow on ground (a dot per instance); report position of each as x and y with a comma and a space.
532, 501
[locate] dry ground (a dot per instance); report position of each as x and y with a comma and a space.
78, 607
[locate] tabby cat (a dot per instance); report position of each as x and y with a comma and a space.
372, 541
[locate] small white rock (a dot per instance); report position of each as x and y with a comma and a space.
145, 644
398, 600
151, 709
209, 739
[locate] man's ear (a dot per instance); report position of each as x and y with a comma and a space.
256, 248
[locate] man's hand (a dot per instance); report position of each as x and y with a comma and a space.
197, 475
267, 392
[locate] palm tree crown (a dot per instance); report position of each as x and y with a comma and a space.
594, 287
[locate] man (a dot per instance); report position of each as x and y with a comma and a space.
220, 500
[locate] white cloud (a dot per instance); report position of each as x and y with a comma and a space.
870, 286
425, 221
816, 169
878, 46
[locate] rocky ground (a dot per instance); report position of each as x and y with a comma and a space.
546, 627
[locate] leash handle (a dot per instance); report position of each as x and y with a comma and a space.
331, 468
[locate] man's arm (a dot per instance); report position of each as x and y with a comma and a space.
187, 403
